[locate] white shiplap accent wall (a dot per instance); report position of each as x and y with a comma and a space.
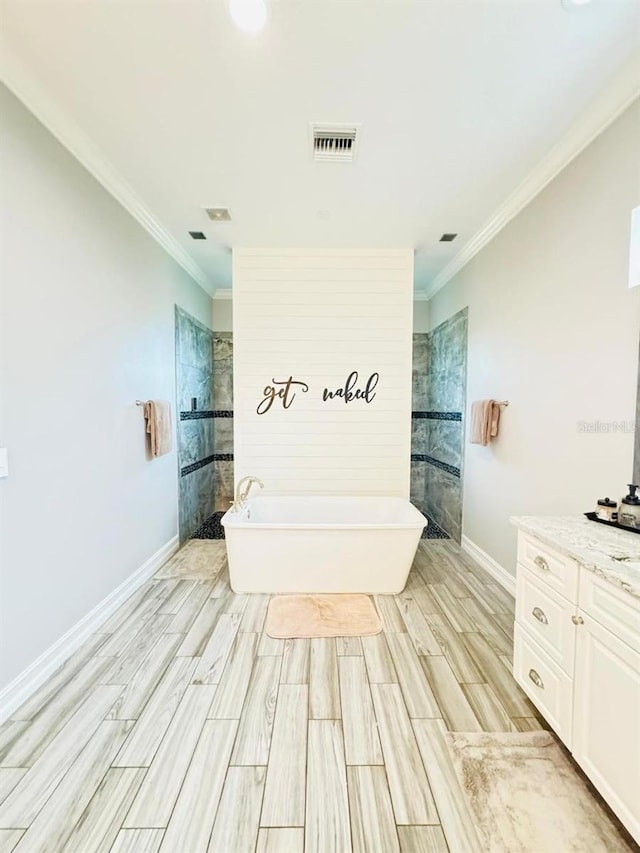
317, 315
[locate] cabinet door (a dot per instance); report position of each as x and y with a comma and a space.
606, 719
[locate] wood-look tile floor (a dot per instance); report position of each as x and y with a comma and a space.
183, 728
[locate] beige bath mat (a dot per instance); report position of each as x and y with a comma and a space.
527, 797
291, 616
198, 559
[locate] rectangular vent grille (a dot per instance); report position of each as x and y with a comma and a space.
337, 143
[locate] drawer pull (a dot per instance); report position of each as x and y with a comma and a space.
541, 563
540, 615
533, 675
577, 620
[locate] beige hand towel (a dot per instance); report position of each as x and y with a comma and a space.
158, 416
495, 419
485, 419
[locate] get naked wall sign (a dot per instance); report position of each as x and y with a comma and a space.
283, 392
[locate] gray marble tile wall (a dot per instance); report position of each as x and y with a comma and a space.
437, 445
447, 367
443, 501
223, 426
223, 372
196, 439
420, 368
419, 426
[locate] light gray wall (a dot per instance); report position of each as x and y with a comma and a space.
553, 328
222, 315
420, 316
86, 328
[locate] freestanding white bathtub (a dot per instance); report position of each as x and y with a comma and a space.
322, 544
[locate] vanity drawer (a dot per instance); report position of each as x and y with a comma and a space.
556, 570
549, 687
614, 608
547, 617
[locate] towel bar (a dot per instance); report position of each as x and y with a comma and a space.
139, 402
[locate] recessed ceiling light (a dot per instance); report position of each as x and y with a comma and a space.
197, 235
218, 214
250, 16
570, 5
448, 238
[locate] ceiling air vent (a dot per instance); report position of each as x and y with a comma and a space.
337, 142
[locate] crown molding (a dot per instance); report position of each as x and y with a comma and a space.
621, 91
420, 296
28, 90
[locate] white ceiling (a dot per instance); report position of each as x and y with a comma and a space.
458, 101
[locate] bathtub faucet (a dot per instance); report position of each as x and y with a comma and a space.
242, 492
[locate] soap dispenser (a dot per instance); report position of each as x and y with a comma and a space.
629, 509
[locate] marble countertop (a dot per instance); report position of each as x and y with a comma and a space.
612, 554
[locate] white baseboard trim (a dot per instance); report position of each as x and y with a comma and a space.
501, 575
25, 684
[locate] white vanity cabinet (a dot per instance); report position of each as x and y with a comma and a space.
577, 657
606, 720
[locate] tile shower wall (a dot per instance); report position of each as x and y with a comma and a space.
437, 439
439, 381
223, 418
196, 442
